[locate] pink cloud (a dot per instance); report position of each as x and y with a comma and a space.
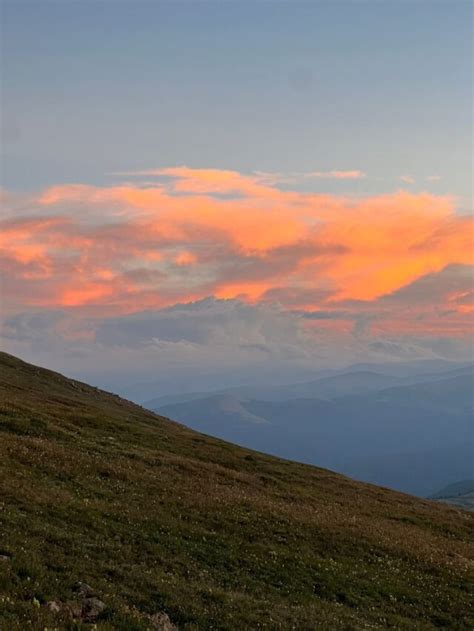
126, 248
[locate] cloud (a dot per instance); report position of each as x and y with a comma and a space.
337, 175
408, 179
208, 343
104, 252
448, 285
208, 322
187, 345
218, 180
433, 178
436, 305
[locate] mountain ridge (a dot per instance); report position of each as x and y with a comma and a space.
310, 387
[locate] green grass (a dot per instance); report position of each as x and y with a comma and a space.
159, 518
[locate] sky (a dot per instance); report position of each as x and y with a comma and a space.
203, 192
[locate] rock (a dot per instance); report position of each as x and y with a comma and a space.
161, 622
74, 609
84, 590
54, 606
4, 557
91, 609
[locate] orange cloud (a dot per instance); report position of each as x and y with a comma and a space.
185, 258
202, 232
78, 296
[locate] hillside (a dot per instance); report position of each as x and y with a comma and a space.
161, 521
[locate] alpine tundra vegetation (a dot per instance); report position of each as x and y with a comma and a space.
115, 517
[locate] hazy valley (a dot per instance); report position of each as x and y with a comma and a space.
413, 433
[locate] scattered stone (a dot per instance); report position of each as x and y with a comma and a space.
54, 606
91, 609
84, 590
74, 609
161, 622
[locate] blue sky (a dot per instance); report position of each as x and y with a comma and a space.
90, 88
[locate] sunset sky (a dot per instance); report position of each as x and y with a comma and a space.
235, 186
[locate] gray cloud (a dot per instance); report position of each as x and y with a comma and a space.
431, 288
207, 322
207, 344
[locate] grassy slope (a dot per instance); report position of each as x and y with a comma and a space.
157, 517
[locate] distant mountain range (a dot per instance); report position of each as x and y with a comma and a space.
456, 489
413, 433
203, 384
357, 379
458, 494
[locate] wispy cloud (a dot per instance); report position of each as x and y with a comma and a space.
227, 178
408, 179
336, 175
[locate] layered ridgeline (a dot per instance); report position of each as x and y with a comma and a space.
114, 516
413, 433
460, 494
